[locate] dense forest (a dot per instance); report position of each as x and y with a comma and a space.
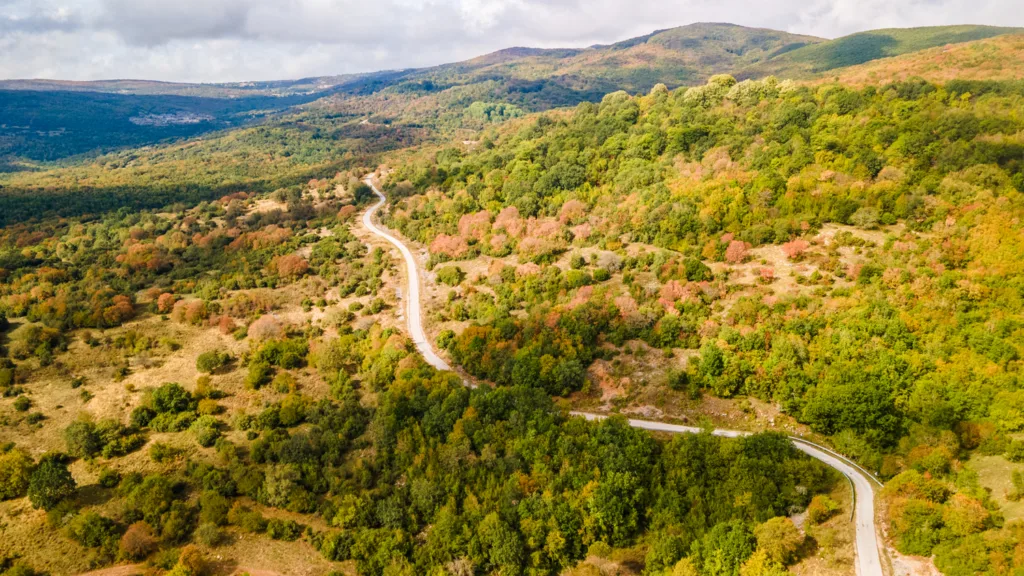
202, 361
889, 317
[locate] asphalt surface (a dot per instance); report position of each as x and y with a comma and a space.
868, 552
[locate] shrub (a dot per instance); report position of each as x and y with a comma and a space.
51, 482
171, 397
142, 416
209, 535
151, 497
22, 404
15, 470
736, 252
284, 383
138, 541
450, 275
208, 407
247, 519
190, 563
287, 530
160, 452
123, 445
109, 478
95, 531
290, 353
210, 362
177, 523
171, 422
258, 375
82, 440
779, 538
214, 508
334, 546
821, 509
206, 430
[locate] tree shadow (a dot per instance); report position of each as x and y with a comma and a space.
93, 495
807, 549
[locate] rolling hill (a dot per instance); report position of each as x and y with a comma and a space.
992, 59
809, 61
47, 120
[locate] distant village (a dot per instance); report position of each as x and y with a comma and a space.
170, 119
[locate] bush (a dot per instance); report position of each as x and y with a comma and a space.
15, 470
82, 440
94, 531
821, 509
779, 538
171, 397
258, 375
151, 497
287, 530
206, 430
210, 362
214, 508
284, 383
247, 519
22, 404
208, 407
190, 563
286, 354
51, 482
142, 416
160, 452
334, 546
172, 422
109, 478
209, 535
138, 542
450, 275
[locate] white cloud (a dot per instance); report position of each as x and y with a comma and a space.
223, 40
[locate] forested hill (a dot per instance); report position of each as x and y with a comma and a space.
853, 256
50, 120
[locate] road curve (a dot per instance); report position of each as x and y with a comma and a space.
412, 299
868, 552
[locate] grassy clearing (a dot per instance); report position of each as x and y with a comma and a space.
994, 473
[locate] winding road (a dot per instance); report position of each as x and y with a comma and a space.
868, 550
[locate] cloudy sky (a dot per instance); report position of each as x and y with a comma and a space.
231, 40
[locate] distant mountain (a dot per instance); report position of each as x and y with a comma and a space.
277, 88
810, 61
53, 119
540, 79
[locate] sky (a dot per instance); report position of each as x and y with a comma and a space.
236, 40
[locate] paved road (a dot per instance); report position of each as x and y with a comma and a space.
868, 551
412, 299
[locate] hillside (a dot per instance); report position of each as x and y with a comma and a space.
207, 366
988, 60
863, 47
49, 120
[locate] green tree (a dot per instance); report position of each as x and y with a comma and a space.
50, 483
210, 362
15, 471
779, 538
